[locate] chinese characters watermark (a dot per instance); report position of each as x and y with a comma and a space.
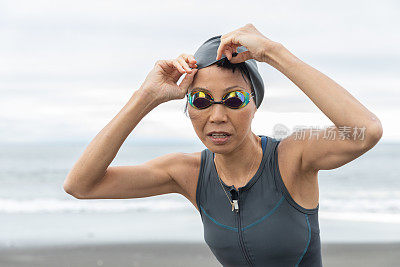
328, 133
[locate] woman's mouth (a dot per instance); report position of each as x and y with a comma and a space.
219, 139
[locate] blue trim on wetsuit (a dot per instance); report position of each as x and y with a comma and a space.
244, 228
308, 242
218, 223
267, 215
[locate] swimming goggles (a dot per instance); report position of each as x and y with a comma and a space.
234, 99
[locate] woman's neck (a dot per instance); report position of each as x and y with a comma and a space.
239, 166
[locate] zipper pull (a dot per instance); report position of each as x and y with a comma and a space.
235, 205
235, 199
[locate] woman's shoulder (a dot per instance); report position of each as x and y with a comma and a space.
186, 171
184, 162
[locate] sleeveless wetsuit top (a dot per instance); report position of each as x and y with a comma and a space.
268, 229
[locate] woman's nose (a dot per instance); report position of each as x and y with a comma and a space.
218, 113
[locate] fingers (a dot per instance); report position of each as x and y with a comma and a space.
179, 67
228, 54
227, 46
187, 80
241, 57
223, 46
185, 62
192, 60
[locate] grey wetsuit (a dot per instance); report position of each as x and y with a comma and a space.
268, 229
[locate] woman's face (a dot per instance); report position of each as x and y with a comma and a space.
218, 117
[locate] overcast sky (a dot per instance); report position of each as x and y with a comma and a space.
68, 67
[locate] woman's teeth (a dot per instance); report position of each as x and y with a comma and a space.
219, 135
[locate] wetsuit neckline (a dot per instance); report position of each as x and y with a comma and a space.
256, 175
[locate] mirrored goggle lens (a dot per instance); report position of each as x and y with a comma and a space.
201, 100
234, 99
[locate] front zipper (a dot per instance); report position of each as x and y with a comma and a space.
240, 232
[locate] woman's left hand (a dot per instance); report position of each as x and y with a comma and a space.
248, 36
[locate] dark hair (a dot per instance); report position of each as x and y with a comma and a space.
226, 64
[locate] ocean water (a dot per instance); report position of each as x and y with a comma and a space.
360, 197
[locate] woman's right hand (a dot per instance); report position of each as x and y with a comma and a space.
162, 79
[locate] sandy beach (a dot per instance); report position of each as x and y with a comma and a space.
182, 254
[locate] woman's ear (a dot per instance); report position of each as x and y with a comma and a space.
255, 110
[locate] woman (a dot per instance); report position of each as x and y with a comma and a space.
257, 196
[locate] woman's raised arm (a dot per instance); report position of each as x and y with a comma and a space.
91, 176
350, 117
